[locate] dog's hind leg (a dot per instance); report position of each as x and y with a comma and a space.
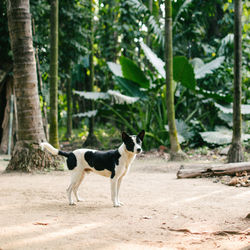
74, 180
69, 193
78, 183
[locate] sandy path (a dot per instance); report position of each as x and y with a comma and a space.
34, 213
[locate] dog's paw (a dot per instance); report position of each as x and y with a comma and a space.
116, 205
79, 199
121, 203
72, 203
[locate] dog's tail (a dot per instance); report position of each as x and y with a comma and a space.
71, 158
53, 150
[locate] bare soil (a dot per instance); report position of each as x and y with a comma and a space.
34, 211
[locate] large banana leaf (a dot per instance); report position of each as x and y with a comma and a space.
185, 75
214, 95
183, 72
156, 62
130, 88
132, 72
115, 68
114, 95
220, 136
245, 109
202, 70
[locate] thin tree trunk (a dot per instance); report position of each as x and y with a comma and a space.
91, 80
27, 155
235, 153
91, 139
175, 152
69, 109
53, 132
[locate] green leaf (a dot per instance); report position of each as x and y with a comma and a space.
217, 97
156, 62
115, 68
208, 68
132, 72
196, 63
245, 109
130, 88
220, 136
183, 72
119, 98
181, 9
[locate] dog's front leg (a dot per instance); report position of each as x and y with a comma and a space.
118, 189
114, 193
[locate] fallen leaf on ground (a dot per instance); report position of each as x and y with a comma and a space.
41, 224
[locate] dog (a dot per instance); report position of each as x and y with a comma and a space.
114, 164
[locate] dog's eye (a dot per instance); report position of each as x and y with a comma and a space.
138, 141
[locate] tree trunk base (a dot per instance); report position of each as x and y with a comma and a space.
178, 156
91, 141
235, 153
28, 157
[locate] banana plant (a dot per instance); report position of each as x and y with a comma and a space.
130, 77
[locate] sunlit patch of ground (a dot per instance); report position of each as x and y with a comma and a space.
160, 211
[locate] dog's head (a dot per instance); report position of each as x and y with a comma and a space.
133, 143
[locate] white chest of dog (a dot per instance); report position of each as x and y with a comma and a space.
113, 164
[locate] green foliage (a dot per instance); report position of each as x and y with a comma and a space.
183, 72
221, 136
202, 69
132, 72
156, 62
129, 87
5, 52
202, 37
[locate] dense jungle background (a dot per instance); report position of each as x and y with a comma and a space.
123, 41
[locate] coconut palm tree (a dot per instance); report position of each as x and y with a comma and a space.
30, 132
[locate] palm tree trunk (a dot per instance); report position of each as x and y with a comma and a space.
235, 153
175, 152
91, 139
69, 108
26, 155
53, 132
92, 72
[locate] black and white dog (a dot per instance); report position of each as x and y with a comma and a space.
113, 163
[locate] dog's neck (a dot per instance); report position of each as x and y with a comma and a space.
130, 156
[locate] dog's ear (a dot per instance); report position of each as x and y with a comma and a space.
141, 135
125, 136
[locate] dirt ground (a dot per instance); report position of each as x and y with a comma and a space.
34, 212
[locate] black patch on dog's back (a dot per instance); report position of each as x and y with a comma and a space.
101, 160
71, 159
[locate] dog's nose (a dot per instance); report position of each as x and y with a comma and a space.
138, 150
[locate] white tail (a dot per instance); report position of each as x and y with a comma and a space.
49, 147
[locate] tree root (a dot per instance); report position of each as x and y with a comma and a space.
178, 156
28, 157
235, 153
